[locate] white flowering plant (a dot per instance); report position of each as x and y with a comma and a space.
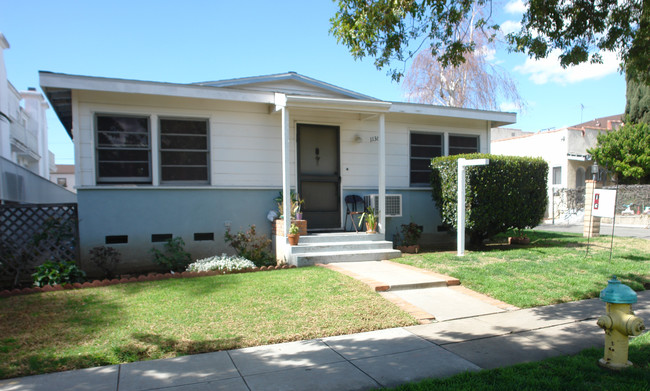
222, 263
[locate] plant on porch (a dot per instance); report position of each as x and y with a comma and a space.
370, 216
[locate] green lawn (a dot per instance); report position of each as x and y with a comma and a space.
554, 268
576, 373
63, 330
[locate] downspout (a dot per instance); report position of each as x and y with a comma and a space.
382, 174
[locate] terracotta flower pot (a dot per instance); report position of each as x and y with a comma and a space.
371, 230
293, 239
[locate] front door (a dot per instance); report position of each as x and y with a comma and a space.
319, 181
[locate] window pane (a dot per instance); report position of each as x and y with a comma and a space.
464, 142
420, 164
184, 158
123, 124
426, 139
184, 173
426, 152
184, 142
116, 139
420, 177
123, 170
182, 126
130, 155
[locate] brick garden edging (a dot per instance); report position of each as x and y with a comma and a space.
142, 278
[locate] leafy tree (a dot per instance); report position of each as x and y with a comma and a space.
389, 29
626, 152
475, 83
637, 107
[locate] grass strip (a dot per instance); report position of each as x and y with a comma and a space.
576, 373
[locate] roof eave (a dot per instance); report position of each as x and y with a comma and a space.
497, 118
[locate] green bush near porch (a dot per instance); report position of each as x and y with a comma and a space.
508, 193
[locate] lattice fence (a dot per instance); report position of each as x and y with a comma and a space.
33, 234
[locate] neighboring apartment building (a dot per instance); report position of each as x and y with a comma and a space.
565, 151
25, 160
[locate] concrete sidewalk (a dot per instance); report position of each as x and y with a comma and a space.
494, 337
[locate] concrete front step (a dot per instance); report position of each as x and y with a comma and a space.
303, 248
308, 259
339, 237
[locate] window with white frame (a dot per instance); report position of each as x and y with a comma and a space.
424, 147
184, 150
463, 144
557, 175
123, 149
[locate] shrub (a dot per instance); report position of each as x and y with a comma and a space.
106, 259
55, 273
509, 193
411, 233
224, 262
250, 246
174, 258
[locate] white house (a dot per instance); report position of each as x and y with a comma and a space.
565, 150
155, 160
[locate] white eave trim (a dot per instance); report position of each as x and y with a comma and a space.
496, 117
90, 83
317, 103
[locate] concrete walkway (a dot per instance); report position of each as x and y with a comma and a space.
492, 337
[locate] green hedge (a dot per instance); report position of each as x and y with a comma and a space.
509, 193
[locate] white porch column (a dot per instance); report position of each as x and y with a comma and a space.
382, 174
286, 172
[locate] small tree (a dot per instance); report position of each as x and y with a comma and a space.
626, 152
509, 193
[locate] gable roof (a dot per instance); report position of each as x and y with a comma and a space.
296, 89
278, 83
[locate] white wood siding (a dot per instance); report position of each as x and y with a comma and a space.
245, 139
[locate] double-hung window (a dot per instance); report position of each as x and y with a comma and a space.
123, 149
184, 150
424, 147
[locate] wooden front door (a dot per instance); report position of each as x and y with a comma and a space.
319, 180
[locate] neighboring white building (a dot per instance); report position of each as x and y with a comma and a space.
155, 159
23, 132
25, 160
565, 151
63, 176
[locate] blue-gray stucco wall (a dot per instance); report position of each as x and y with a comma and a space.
141, 213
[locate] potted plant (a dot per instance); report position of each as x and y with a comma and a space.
371, 220
294, 235
519, 238
411, 233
